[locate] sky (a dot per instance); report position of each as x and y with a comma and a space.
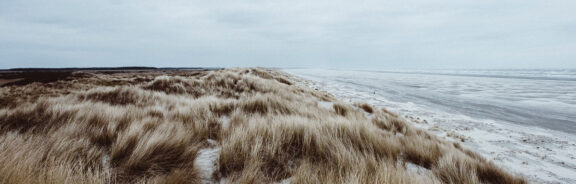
361, 34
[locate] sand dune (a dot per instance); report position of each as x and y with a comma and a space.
231, 126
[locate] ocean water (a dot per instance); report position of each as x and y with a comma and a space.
541, 98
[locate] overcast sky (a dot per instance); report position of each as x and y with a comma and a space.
375, 34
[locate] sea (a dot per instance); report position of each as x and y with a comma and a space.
528, 97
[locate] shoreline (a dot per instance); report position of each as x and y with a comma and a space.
541, 155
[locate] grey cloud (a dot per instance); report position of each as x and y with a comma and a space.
321, 33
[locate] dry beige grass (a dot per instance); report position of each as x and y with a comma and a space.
149, 128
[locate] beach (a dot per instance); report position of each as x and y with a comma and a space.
521, 120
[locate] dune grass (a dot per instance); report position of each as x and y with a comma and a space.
150, 128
